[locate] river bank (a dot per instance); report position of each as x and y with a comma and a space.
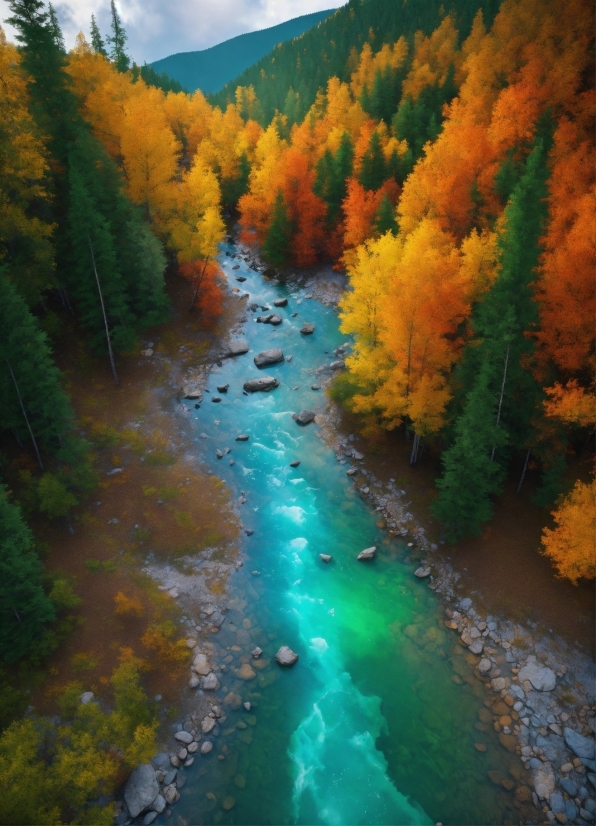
211, 721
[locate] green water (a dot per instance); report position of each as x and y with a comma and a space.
368, 727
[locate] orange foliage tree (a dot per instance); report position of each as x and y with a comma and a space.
571, 544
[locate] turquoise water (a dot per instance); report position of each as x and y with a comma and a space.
368, 727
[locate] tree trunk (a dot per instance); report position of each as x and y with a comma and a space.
105, 318
198, 287
523, 476
37, 453
492, 456
415, 446
69, 524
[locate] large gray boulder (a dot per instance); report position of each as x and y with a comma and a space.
141, 789
263, 384
236, 348
581, 746
304, 417
268, 357
307, 328
280, 302
192, 390
183, 737
544, 781
367, 553
285, 656
210, 682
541, 677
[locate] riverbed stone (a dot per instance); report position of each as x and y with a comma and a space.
245, 672
206, 747
236, 348
304, 417
233, 700
326, 557
208, 725
201, 664
422, 572
485, 665
367, 553
476, 646
285, 656
541, 677
228, 803
544, 781
243, 437
498, 683
307, 329
262, 385
256, 652
582, 747
141, 789
267, 357
210, 682
183, 737
170, 793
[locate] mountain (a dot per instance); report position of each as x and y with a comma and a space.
303, 66
210, 69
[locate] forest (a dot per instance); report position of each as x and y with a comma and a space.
442, 157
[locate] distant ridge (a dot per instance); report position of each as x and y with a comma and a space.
210, 69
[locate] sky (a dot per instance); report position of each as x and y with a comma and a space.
158, 28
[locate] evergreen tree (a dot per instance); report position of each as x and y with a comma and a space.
117, 41
96, 38
470, 479
34, 405
232, 189
55, 28
373, 170
279, 235
332, 174
25, 609
385, 218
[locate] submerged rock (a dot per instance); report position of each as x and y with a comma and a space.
210, 682
192, 391
285, 656
141, 789
367, 553
294, 464
267, 357
304, 417
326, 557
307, 328
263, 384
422, 572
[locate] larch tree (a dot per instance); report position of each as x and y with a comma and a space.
117, 41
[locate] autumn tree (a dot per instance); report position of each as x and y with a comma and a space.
97, 41
279, 234
570, 544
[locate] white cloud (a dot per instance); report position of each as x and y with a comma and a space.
157, 28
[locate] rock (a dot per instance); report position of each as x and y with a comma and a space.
268, 357
484, 666
557, 804
216, 399
422, 572
222, 388
465, 604
208, 725
240, 278
233, 700
245, 672
161, 761
367, 553
476, 646
174, 761
262, 385
541, 678
508, 741
206, 747
498, 683
149, 818
244, 437
183, 737
141, 789
194, 682
544, 781
228, 803
87, 697
192, 747
210, 683
192, 391
315, 387
275, 320
280, 302
326, 557
182, 754
337, 365
285, 656
159, 804
581, 746
294, 464
256, 652
304, 417
236, 348
307, 329
170, 794
201, 664
219, 453
352, 471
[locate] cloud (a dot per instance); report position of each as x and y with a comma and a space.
157, 28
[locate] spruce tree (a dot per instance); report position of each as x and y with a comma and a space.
332, 174
117, 41
373, 170
25, 610
279, 235
385, 218
55, 28
96, 38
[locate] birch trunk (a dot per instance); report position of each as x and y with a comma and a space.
37, 453
105, 318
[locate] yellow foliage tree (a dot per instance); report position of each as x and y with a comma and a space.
571, 545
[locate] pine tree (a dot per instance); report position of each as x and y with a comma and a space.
385, 218
332, 174
373, 170
34, 405
55, 28
25, 609
96, 38
279, 235
118, 40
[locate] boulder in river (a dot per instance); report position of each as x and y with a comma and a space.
141, 789
280, 302
367, 553
183, 737
326, 557
263, 384
256, 652
294, 464
285, 656
222, 388
275, 320
210, 682
422, 572
582, 747
236, 348
243, 437
307, 328
304, 417
337, 365
192, 390
268, 357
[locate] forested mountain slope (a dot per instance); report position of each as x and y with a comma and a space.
210, 69
288, 79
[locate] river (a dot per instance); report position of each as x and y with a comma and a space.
369, 726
